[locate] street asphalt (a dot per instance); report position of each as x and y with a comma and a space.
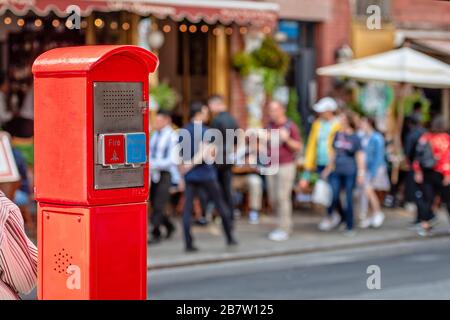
408, 270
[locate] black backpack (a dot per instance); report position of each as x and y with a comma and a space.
424, 155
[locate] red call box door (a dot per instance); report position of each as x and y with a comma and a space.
113, 149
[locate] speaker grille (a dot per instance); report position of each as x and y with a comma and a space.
62, 260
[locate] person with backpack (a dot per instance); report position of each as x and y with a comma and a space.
432, 172
281, 183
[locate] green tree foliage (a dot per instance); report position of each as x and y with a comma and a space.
268, 60
165, 96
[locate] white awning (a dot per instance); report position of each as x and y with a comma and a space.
403, 65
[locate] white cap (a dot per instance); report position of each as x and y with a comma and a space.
325, 104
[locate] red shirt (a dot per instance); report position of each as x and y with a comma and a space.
286, 155
440, 146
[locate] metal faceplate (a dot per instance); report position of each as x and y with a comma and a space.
117, 109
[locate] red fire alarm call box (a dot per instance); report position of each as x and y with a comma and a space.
91, 103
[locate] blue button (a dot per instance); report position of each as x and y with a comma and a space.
136, 148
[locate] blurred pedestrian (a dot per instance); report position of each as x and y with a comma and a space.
281, 183
200, 174
346, 167
5, 114
18, 255
376, 178
223, 121
414, 132
162, 165
432, 172
247, 175
318, 149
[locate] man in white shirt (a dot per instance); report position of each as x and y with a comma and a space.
163, 172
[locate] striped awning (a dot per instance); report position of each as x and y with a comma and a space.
260, 14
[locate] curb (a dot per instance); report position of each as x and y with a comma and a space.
280, 253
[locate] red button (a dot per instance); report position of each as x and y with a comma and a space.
114, 152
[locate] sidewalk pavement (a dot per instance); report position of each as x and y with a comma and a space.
253, 242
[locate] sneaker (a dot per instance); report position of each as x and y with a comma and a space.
232, 242
329, 223
154, 240
170, 230
253, 217
423, 232
434, 221
365, 223
414, 225
389, 201
191, 249
349, 233
201, 222
378, 219
278, 235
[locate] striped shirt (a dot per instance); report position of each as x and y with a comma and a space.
18, 255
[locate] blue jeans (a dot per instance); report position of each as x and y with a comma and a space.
339, 181
331, 208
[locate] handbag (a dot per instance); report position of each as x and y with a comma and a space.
322, 193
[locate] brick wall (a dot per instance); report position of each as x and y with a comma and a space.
426, 14
331, 35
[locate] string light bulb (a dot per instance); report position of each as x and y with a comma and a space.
204, 28
21, 22
167, 28
7, 20
56, 23
38, 23
183, 28
69, 24
125, 26
192, 29
98, 23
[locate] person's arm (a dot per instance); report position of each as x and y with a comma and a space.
310, 154
291, 137
446, 171
19, 254
331, 166
375, 155
360, 164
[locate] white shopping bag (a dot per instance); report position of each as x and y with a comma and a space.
322, 193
